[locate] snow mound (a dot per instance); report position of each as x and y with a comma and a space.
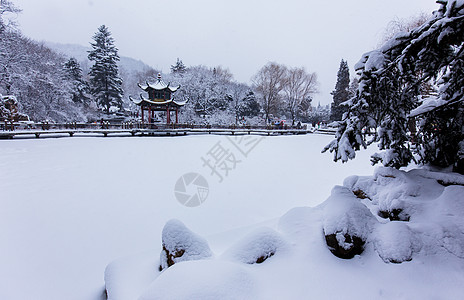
344, 213
450, 205
395, 242
389, 191
207, 279
256, 247
347, 223
181, 244
137, 272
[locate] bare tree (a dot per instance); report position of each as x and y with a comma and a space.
269, 83
398, 25
237, 92
299, 88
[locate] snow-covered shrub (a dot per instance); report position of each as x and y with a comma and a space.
256, 247
347, 223
181, 244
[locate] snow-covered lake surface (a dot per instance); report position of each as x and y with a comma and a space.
70, 206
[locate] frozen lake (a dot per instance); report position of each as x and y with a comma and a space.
69, 206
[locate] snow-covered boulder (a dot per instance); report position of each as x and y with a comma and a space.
395, 242
347, 223
181, 244
256, 247
389, 191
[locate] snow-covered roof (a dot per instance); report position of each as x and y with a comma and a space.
159, 85
142, 99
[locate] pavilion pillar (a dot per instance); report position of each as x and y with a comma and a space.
177, 115
168, 115
141, 107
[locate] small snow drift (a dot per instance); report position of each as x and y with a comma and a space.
257, 247
181, 244
347, 223
207, 279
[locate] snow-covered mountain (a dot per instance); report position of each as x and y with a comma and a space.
132, 71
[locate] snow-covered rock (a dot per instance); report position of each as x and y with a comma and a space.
347, 223
181, 244
256, 247
430, 201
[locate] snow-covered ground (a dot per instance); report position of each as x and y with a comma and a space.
71, 206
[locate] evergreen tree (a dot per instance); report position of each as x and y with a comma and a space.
178, 67
390, 96
249, 106
80, 88
105, 83
341, 92
354, 85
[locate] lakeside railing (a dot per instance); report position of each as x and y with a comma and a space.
10, 130
137, 125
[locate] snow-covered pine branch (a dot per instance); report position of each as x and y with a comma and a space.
393, 81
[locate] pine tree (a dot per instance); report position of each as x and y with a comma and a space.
105, 83
391, 101
249, 106
341, 92
178, 67
80, 88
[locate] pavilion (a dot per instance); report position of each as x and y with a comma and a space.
160, 98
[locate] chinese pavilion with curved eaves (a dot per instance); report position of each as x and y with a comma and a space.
160, 98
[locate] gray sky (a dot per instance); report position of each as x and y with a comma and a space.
242, 35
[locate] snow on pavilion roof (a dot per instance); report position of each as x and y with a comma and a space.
159, 85
142, 100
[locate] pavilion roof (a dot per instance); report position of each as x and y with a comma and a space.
159, 85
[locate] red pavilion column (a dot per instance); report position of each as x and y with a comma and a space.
141, 107
168, 116
177, 115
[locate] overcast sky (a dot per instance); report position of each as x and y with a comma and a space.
241, 35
